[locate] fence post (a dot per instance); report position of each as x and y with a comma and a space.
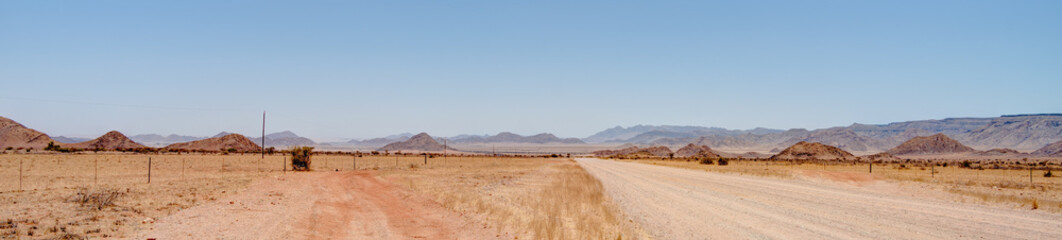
355, 160
149, 170
1030, 175
425, 159
20, 174
284, 165
96, 171
182, 168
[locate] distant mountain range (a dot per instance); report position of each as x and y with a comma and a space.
508, 137
1025, 133
1021, 132
156, 140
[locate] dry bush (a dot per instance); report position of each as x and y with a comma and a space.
96, 199
300, 158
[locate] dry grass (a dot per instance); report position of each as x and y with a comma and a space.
64, 197
1001, 187
525, 198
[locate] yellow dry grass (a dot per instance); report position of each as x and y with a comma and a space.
525, 198
46, 206
1004, 187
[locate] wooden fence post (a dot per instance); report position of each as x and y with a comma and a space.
149, 170
20, 174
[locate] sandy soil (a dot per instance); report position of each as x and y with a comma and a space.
318, 205
672, 203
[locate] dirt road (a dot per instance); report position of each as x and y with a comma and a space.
673, 203
319, 205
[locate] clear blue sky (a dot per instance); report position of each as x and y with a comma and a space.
349, 69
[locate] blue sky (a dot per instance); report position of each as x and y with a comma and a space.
352, 69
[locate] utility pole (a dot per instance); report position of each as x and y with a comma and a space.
263, 134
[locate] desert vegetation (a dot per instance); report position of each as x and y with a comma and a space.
522, 197
108, 195
1011, 183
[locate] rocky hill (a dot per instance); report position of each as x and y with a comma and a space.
809, 150
692, 150
420, 142
112, 140
936, 144
1053, 149
233, 141
15, 135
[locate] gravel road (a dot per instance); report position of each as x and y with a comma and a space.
673, 203
318, 205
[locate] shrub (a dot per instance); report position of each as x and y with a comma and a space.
300, 158
52, 147
707, 161
723, 162
96, 199
1048, 173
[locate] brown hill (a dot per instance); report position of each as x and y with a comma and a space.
691, 150
806, 150
936, 144
113, 140
1054, 149
420, 142
232, 141
14, 135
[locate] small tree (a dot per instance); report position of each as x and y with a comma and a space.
300, 158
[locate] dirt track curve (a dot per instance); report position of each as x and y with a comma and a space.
673, 203
318, 205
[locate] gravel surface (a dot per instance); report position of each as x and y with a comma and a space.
673, 203
318, 205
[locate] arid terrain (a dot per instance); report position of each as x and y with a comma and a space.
236, 196
675, 203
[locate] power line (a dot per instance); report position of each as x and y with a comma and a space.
123, 105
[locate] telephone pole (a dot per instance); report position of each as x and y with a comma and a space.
263, 134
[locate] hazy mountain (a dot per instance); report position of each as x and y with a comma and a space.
621, 134
62, 139
1021, 132
508, 137
159, 140
284, 139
